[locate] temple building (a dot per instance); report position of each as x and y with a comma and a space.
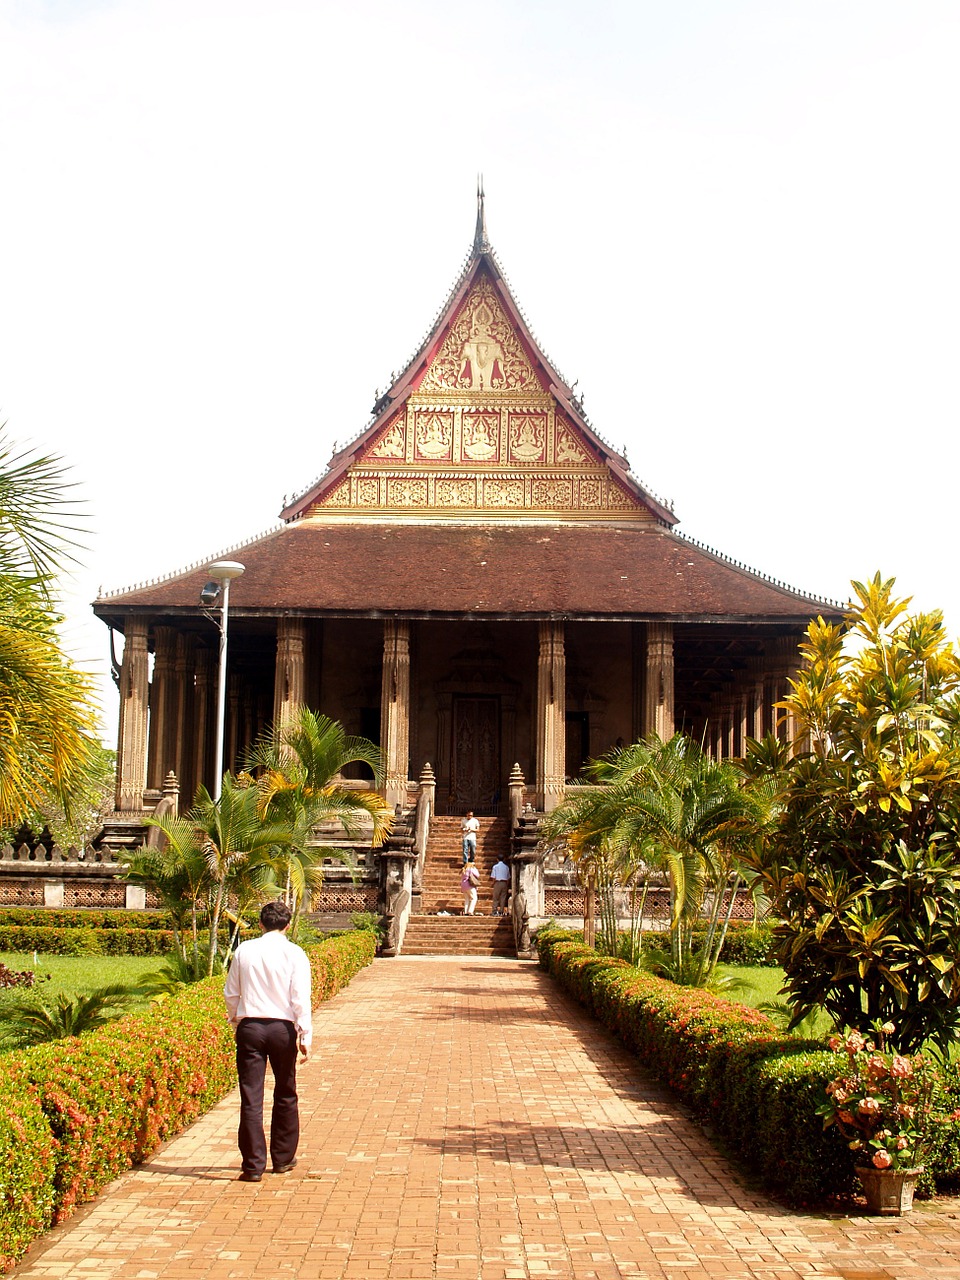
477, 581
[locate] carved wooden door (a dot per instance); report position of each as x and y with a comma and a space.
475, 782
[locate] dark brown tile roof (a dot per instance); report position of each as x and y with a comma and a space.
417, 569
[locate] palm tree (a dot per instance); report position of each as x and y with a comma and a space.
669, 805
299, 770
27, 1022
207, 853
47, 713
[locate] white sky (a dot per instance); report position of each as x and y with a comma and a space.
737, 224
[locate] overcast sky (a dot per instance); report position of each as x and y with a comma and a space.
737, 224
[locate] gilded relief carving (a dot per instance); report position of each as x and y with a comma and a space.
340, 496
591, 492
481, 352
501, 492
481, 437
568, 450
392, 444
403, 492
434, 435
453, 492
368, 491
552, 493
528, 437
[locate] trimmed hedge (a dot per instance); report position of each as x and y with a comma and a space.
756, 1088
54, 941
75, 1114
83, 918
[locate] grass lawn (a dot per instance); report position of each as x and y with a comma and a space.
75, 974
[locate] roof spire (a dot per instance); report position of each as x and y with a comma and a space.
481, 243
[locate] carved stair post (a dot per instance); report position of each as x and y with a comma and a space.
395, 710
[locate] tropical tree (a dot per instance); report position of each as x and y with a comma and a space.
29, 1021
298, 769
206, 857
47, 712
669, 807
864, 865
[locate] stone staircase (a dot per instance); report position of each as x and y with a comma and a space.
433, 934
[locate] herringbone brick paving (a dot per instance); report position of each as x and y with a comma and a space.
462, 1121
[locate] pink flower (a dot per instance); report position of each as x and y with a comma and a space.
835, 1043
868, 1107
855, 1042
882, 1159
902, 1143
876, 1067
901, 1067
888, 1028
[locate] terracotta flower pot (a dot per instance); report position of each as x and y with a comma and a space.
889, 1191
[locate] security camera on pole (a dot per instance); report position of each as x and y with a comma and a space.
222, 572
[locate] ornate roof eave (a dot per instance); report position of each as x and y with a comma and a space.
482, 256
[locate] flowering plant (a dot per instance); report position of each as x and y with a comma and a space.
881, 1102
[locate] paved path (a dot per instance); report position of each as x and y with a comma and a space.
463, 1121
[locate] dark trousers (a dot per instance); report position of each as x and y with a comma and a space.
259, 1041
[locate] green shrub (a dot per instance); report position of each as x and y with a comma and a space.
83, 918
76, 1114
50, 940
757, 1089
27, 1163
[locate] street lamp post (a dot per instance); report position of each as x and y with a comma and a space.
222, 572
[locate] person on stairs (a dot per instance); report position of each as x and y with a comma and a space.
469, 826
469, 883
500, 875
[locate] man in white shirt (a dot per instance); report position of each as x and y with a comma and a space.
500, 875
268, 1001
469, 826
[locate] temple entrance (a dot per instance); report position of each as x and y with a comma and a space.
475, 777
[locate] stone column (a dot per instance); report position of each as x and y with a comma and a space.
755, 669
233, 729
551, 716
658, 706
132, 733
183, 688
395, 710
786, 664
162, 706
202, 714
288, 684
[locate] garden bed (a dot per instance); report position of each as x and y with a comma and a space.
75, 1114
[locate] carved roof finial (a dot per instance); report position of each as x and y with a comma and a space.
481, 243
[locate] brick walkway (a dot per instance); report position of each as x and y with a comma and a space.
463, 1121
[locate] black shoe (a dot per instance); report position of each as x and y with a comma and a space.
284, 1168
246, 1176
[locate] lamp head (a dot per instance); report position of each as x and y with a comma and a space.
210, 594
225, 570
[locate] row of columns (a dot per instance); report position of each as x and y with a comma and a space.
180, 704
747, 709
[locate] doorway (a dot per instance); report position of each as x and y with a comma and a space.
475, 780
